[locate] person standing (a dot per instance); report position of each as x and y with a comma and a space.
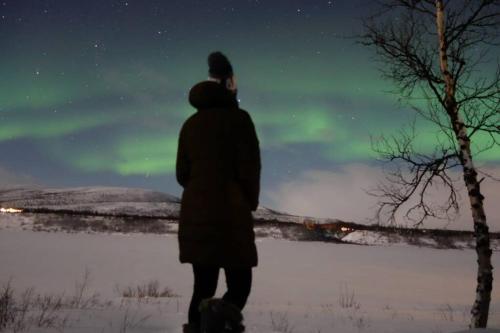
218, 165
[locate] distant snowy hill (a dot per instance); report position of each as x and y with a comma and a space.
127, 210
114, 201
99, 200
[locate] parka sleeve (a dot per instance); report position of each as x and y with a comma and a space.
248, 161
183, 166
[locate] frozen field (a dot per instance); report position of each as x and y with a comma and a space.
298, 287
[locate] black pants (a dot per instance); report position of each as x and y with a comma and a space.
238, 280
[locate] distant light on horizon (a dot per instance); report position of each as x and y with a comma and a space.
10, 210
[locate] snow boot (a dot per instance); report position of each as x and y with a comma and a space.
190, 328
219, 316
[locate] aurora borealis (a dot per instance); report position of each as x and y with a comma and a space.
94, 92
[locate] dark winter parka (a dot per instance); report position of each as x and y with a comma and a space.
218, 164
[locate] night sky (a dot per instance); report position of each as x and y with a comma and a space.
94, 92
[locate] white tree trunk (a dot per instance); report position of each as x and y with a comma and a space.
481, 305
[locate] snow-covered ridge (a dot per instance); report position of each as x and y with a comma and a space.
128, 210
95, 200
115, 201
39, 196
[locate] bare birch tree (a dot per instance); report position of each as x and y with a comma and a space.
442, 52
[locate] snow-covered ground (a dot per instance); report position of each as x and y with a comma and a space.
299, 287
